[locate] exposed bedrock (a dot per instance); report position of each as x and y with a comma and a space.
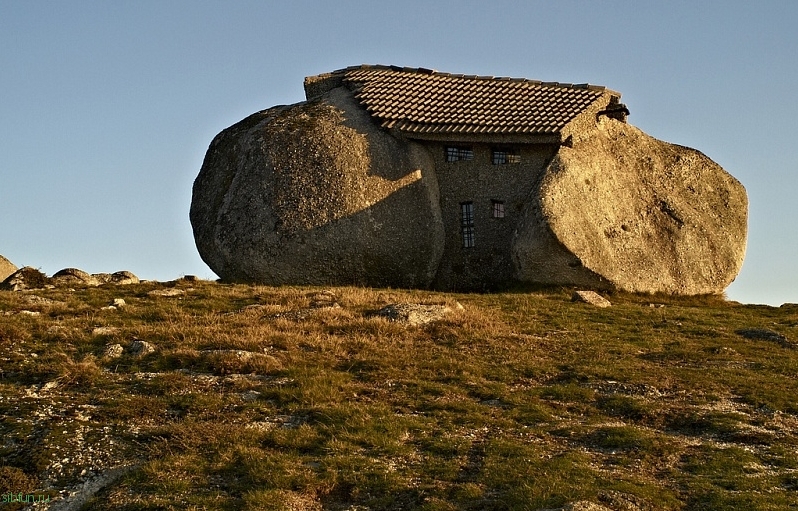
624, 210
316, 193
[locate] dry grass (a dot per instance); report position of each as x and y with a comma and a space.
254, 399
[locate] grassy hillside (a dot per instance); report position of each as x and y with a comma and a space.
246, 397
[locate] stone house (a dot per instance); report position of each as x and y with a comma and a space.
516, 180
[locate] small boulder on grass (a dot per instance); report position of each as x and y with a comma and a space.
113, 351
766, 335
414, 313
141, 348
590, 297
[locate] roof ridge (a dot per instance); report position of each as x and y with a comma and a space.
434, 72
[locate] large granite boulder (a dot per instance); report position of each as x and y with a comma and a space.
317, 193
621, 209
6, 268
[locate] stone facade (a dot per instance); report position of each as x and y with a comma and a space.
411, 178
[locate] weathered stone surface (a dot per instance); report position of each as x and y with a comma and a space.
316, 193
113, 351
141, 348
25, 278
167, 293
7, 268
766, 335
624, 210
122, 278
590, 297
414, 313
74, 277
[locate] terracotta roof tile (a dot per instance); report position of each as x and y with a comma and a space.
425, 101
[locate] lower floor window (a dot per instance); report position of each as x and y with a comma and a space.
498, 208
467, 223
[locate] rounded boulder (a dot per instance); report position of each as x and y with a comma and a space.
316, 193
635, 213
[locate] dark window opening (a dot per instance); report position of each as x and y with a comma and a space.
467, 223
505, 156
454, 154
497, 209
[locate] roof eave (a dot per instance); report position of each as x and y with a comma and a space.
487, 138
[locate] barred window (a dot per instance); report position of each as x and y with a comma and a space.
505, 156
454, 154
498, 208
467, 223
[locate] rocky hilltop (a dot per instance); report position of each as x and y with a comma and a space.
327, 192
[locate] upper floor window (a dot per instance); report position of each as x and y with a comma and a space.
503, 156
467, 223
454, 154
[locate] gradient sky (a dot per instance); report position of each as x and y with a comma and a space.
107, 108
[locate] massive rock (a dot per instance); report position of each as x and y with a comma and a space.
7, 268
316, 193
624, 210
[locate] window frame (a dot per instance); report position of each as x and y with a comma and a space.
505, 156
497, 209
467, 224
454, 153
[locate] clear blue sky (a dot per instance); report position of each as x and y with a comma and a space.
107, 108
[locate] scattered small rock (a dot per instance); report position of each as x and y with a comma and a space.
104, 330
766, 335
590, 297
582, 505
113, 351
414, 313
166, 293
29, 313
141, 348
40, 300
724, 350
323, 299
656, 305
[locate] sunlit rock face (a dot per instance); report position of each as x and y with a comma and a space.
6, 268
623, 210
316, 193
319, 193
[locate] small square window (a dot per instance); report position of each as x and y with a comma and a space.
505, 156
454, 154
497, 209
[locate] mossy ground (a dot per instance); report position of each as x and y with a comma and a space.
522, 400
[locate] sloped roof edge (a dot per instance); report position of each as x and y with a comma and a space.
419, 100
421, 70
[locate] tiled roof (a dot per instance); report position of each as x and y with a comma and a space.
423, 101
